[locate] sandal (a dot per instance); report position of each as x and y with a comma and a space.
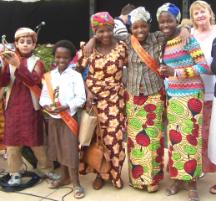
119, 185
193, 195
98, 183
212, 190
174, 188
58, 183
152, 188
79, 192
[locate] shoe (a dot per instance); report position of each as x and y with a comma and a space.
212, 190
15, 179
79, 192
152, 188
52, 176
58, 183
98, 183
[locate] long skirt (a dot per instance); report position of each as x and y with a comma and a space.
62, 144
145, 140
208, 166
212, 135
184, 136
111, 114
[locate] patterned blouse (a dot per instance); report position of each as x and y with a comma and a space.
141, 80
105, 71
189, 62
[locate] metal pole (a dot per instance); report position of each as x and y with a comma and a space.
185, 8
92, 9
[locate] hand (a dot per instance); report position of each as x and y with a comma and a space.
55, 110
11, 57
166, 71
91, 99
184, 35
59, 109
89, 47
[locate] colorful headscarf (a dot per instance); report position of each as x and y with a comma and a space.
139, 13
25, 31
171, 8
101, 19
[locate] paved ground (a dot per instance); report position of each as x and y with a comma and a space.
108, 193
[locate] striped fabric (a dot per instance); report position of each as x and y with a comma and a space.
189, 62
141, 79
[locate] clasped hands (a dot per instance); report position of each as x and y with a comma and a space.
55, 109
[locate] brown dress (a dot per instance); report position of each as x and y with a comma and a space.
62, 144
105, 82
23, 125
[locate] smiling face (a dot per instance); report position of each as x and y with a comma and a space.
105, 34
62, 58
167, 24
201, 16
140, 29
25, 45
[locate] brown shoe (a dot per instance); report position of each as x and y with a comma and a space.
98, 183
212, 190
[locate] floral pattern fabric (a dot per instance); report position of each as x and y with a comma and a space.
145, 140
105, 82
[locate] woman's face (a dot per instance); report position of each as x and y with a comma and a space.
167, 24
140, 29
104, 35
62, 58
201, 16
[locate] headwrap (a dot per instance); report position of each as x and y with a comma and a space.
171, 8
101, 19
139, 13
25, 31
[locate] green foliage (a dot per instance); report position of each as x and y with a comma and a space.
44, 51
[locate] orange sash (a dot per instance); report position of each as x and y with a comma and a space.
35, 89
144, 55
67, 118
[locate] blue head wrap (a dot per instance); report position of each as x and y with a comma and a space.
171, 8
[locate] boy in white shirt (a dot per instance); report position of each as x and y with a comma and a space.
62, 94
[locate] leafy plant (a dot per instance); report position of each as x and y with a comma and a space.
44, 51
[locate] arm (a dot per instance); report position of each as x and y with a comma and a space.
213, 54
79, 92
30, 78
200, 65
45, 99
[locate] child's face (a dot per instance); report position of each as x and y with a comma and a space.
25, 45
62, 58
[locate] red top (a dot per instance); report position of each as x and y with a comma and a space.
23, 125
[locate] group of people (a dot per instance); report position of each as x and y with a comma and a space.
163, 80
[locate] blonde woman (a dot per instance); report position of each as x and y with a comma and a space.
204, 31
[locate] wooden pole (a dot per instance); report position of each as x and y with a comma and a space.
185, 8
92, 10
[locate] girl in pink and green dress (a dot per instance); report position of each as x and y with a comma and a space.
183, 64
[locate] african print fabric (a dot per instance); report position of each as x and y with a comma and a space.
145, 140
184, 136
104, 81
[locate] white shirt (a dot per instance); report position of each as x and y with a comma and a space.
71, 90
206, 47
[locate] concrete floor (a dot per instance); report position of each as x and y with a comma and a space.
108, 193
